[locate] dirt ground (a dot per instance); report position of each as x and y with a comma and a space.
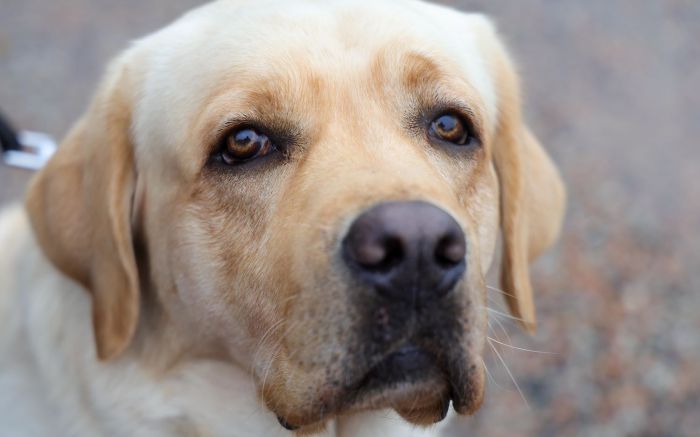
613, 91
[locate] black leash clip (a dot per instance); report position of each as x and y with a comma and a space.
27, 149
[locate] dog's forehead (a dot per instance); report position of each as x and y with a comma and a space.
189, 60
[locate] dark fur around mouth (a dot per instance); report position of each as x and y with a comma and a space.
408, 365
409, 350
417, 361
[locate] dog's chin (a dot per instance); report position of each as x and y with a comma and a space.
420, 387
410, 381
422, 402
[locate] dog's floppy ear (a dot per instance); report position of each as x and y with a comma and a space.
532, 193
80, 208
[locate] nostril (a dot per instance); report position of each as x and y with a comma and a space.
394, 254
380, 255
369, 254
450, 251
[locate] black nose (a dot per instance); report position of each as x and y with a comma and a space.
408, 251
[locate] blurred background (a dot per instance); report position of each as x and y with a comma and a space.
613, 91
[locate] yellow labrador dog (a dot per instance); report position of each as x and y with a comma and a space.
276, 216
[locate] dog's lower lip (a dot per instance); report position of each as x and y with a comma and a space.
410, 362
409, 359
286, 425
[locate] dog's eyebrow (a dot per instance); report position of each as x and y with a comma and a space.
419, 70
415, 71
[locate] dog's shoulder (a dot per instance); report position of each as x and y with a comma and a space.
25, 415
14, 231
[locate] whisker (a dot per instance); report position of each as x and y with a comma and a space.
501, 291
522, 349
263, 339
495, 303
509, 372
507, 316
489, 375
277, 348
271, 329
503, 328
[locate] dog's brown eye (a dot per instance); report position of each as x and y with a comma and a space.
451, 128
244, 145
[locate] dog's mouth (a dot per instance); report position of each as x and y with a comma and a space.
417, 383
398, 372
408, 363
420, 384
411, 380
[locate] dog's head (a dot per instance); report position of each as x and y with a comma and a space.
315, 190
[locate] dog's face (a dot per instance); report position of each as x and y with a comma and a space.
315, 189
